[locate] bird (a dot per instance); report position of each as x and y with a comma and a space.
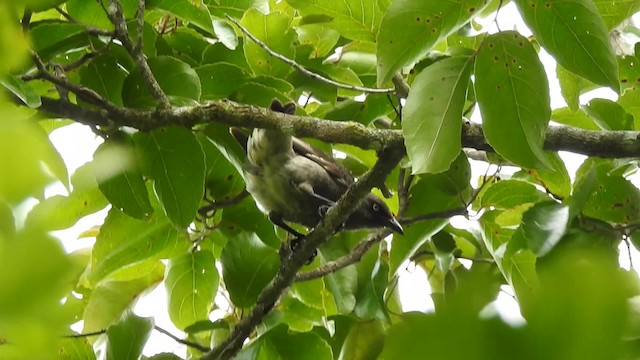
294, 182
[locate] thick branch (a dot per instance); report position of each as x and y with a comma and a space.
608, 144
335, 216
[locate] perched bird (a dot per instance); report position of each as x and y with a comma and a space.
295, 182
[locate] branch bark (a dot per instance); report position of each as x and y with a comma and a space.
607, 144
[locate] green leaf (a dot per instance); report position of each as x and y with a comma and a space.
630, 101
7, 221
364, 341
275, 31
508, 69
50, 38
613, 198
410, 29
576, 118
629, 71
187, 42
236, 8
61, 212
543, 226
175, 161
124, 241
193, 12
191, 282
248, 265
432, 116
127, 338
432, 193
35, 273
353, 19
176, 78
557, 181
574, 33
220, 80
25, 92
342, 284
507, 194
572, 86
579, 282
609, 115
615, 12
223, 181
225, 33
281, 343
76, 349
110, 299
119, 178
90, 12
25, 173
107, 83
320, 37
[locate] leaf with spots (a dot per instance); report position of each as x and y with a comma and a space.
613, 198
410, 29
614, 12
575, 34
513, 93
191, 282
432, 117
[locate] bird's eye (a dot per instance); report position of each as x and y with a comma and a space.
376, 207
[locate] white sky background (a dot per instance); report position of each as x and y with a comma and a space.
76, 144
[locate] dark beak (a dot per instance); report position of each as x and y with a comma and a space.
395, 226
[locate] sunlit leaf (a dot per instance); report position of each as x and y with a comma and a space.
432, 119
513, 94
575, 34
191, 282
409, 29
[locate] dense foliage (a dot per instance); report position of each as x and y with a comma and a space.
162, 81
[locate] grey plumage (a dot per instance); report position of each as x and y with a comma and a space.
295, 182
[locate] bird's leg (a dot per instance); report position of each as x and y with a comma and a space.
276, 219
294, 244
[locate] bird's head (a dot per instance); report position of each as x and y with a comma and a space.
373, 213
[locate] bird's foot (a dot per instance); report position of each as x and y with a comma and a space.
322, 210
295, 244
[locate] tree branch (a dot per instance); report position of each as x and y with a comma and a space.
336, 215
181, 341
114, 11
351, 258
606, 144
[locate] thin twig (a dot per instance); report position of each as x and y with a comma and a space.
114, 12
436, 215
81, 92
91, 30
299, 67
221, 204
181, 341
93, 333
351, 258
421, 253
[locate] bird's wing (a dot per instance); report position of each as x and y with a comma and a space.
337, 171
